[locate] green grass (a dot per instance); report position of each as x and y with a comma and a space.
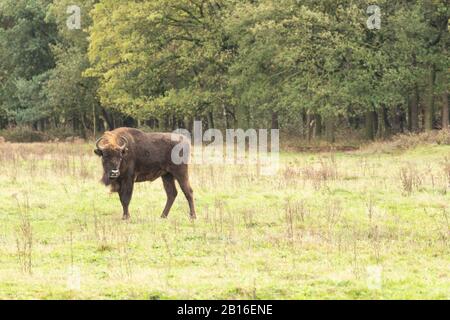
309, 232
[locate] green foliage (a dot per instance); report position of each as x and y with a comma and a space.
70, 95
165, 57
23, 134
256, 58
25, 40
231, 63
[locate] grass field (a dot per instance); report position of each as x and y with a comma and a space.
357, 225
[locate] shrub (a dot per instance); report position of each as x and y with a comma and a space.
24, 134
410, 178
410, 140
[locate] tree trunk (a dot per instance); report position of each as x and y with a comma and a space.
75, 124
84, 129
317, 126
414, 111
191, 124
445, 110
429, 102
94, 122
275, 124
330, 129
398, 120
304, 130
309, 125
109, 120
383, 123
225, 116
166, 123
174, 123
370, 124
210, 120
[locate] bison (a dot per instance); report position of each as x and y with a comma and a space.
130, 155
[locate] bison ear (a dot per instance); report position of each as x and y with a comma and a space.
98, 152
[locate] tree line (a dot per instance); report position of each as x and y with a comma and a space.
313, 68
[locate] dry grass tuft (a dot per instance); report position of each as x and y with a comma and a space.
409, 141
319, 174
410, 178
24, 237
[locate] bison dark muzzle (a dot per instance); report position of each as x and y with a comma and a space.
130, 155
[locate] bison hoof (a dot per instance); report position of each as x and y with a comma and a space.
192, 217
164, 216
126, 217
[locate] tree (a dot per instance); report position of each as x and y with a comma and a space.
71, 96
160, 58
25, 57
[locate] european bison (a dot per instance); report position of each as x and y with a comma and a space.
130, 155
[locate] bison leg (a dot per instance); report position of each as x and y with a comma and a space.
188, 193
171, 191
125, 193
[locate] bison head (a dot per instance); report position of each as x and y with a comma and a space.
112, 154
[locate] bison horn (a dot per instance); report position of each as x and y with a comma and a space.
125, 144
97, 144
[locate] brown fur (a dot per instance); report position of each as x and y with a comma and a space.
111, 140
146, 157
